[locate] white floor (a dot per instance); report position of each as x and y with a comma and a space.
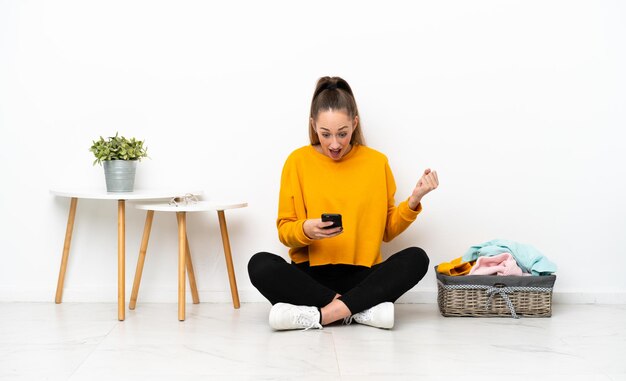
80, 341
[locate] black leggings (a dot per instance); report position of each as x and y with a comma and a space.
360, 287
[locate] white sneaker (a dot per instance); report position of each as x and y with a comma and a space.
287, 316
380, 316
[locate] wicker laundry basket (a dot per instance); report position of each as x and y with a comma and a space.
495, 296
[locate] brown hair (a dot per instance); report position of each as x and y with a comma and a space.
334, 93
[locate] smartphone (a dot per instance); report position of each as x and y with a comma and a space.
335, 218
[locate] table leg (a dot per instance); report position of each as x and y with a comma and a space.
229, 258
141, 259
182, 249
190, 273
121, 258
66, 249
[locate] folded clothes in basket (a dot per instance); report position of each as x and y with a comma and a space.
455, 267
529, 259
501, 264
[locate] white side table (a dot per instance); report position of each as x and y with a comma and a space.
99, 194
184, 256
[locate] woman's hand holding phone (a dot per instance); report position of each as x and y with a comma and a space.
317, 229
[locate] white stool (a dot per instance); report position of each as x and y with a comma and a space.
184, 256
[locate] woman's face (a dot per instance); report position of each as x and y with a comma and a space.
334, 129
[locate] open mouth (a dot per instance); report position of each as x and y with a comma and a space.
335, 153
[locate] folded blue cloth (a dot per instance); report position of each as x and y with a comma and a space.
529, 259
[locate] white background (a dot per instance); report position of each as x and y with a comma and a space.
519, 106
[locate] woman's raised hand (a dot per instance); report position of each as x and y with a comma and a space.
316, 229
426, 183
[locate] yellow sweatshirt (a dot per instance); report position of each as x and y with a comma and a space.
360, 187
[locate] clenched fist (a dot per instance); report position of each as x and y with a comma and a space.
426, 183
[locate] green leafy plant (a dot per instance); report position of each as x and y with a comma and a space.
118, 148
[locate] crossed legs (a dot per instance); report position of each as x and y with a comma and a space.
337, 290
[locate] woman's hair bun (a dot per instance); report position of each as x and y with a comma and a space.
332, 83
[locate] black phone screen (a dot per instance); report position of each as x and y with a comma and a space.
335, 218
